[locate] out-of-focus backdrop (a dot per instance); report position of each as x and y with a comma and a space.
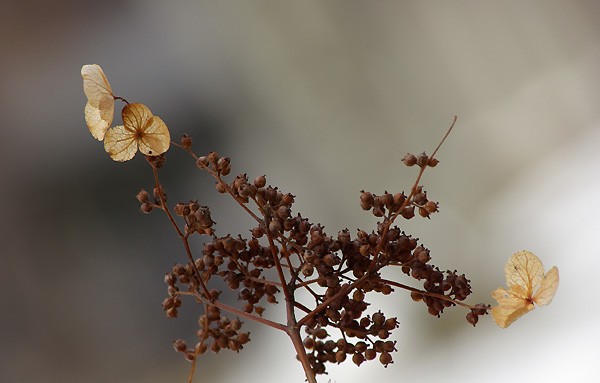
325, 97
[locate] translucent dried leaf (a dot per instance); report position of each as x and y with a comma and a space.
100, 107
140, 130
527, 285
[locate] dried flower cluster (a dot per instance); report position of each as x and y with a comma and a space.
285, 254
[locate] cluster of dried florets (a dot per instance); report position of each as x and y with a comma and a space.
286, 252
324, 350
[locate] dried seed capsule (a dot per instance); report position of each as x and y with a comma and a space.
146, 207
422, 159
378, 318
360, 347
186, 141
213, 157
179, 345
143, 196
408, 212
385, 358
409, 159
202, 162
366, 200
431, 206
472, 318
224, 165
370, 354
260, 181
416, 296
358, 359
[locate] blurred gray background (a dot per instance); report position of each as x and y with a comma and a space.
325, 97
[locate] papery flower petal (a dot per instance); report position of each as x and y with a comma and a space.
120, 143
527, 284
99, 110
142, 130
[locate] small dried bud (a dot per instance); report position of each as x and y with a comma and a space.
258, 232
390, 324
472, 318
378, 211
422, 159
143, 196
481, 309
179, 345
201, 348
308, 269
169, 279
243, 337
370, 354
275, 226
432, 162
224, 166
420, 198
179, 269
360, 346
383, 334
409, 159
431, 206
387, 199
181, 209
358, 295
309, 343
186, 141
172, 312
385, 358
331, 260
215, 348
221, 188
156, 161
168, 303
213, 157
213, 313
283, 212
423, 256
158, 191
190, 356
146, 207
358, 359
386, 289
366, 200
260, 181
378, 318
408, 212
416, 296
202, 162
287, 199
399, 199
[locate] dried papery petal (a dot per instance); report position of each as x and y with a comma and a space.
527, 284
141, 130
100, 107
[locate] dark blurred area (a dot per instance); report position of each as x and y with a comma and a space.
325, 98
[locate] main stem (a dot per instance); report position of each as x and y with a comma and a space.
294, 334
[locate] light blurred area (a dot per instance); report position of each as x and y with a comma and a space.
325, 97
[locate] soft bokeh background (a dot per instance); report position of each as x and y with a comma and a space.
325, 97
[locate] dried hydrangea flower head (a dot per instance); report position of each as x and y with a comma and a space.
140, 130
527, 285
100, 106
